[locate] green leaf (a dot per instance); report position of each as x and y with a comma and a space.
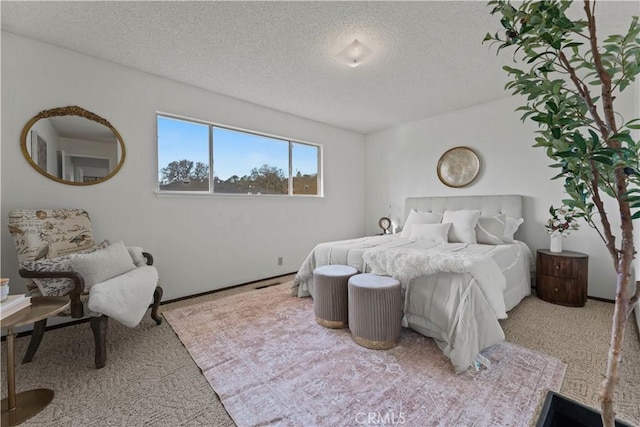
580, 142
602, 159
623, 137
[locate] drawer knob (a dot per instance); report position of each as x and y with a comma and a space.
555, 289
557, 267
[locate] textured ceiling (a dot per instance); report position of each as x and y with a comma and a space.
427, 56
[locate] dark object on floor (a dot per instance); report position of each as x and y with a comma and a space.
560, 411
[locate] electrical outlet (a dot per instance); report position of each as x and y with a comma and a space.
279, 260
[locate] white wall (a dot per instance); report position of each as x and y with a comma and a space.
199, 243
401, 162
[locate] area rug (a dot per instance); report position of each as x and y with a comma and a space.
272, 364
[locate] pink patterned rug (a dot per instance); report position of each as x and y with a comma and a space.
271, 364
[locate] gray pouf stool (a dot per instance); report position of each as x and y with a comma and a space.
330, 295
375, 310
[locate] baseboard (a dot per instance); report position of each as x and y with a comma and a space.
228, 287
590, 297
86, 319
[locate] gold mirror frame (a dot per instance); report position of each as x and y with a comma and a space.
458, 167
70, 111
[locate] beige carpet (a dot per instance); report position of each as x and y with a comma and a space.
150, 379
272, 364
580, 337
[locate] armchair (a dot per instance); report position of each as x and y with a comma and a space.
58, 256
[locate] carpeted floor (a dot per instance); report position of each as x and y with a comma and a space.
580, 337
150, 379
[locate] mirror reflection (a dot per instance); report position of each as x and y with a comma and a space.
73, 146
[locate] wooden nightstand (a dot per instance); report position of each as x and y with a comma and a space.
562, 278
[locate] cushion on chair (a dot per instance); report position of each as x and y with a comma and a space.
101, 265
126, 297
57, 286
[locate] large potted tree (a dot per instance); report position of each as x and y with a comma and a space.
570, 77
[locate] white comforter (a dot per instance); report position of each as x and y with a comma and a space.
454, 292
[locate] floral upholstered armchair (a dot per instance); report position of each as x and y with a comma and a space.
58, 256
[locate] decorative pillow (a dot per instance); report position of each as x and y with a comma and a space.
57, 286
102, 265
419, 217
433, 232
51, 287
510, 227
490, 229
463, 225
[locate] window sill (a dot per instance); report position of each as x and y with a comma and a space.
201, 194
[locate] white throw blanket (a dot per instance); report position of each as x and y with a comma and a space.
407, 264
125, 298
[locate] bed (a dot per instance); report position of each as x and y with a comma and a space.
455, 291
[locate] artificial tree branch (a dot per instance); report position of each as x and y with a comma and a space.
595, 227
605, 78
583, 90
608, 238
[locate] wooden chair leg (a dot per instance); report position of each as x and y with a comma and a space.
157, 296
36, 339
99, 328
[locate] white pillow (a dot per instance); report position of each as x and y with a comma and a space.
434, 232
102, 265
419, 217
511, 226
490, 229
463, 225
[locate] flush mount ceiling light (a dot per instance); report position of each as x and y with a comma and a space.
354, 54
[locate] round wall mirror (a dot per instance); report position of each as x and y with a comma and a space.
73, 146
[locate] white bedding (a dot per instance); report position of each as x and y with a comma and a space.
454, 292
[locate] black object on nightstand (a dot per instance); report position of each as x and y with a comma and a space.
562, 277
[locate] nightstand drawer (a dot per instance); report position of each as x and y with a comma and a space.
558, 266
561, 291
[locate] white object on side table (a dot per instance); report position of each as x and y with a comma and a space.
556, 244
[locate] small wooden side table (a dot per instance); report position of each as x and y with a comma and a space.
562, 277
17, 408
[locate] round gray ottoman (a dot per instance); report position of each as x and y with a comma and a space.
330, 295
375, 310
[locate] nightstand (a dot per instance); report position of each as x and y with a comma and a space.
562, 278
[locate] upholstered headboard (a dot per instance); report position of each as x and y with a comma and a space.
510, 204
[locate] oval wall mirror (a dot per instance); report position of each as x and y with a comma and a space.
73, 146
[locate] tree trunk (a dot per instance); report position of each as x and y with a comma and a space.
618, 327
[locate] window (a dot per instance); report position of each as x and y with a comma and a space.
183, 155
304, 167
190, 153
